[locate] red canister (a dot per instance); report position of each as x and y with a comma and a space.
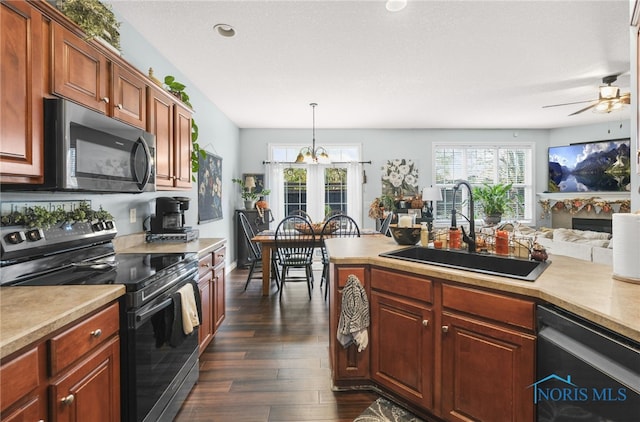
502, 242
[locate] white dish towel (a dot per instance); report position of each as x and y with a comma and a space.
189, 309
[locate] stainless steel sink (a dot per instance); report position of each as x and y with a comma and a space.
521, 269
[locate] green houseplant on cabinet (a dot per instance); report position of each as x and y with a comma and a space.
177, 89
248, 196
494, 200
94, 17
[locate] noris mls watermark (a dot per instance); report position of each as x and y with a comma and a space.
554, 388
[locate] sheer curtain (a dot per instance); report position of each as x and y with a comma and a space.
275, 180
315, 191
354, 191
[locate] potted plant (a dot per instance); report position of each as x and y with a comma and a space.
494, 200
177, 89
95, 18
249, 196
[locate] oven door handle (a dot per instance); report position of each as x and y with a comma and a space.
143, 315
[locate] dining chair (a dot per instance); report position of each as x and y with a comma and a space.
255, 250
301, 213
384, 227
339, 225
294, 243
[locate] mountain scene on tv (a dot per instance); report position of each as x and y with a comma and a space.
597, 166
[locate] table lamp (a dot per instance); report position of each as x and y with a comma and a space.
429, 195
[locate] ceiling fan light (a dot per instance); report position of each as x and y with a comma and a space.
396, 5
609, 91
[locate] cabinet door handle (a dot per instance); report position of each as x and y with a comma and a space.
105, 100
207, 265
68, 400
425, 322
119, 106
96, 333
445, 328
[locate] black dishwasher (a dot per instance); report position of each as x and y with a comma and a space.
585, 372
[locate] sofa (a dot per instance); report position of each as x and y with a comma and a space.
581, 244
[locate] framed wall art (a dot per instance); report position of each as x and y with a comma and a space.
209, 188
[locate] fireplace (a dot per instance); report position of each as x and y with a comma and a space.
593, 224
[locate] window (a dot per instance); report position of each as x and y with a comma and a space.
485, 163
318, 189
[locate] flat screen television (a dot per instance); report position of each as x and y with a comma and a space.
601, 166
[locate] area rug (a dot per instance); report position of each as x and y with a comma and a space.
382, 410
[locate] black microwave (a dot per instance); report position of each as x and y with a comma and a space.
91, 152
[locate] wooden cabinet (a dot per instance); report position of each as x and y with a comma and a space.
90, 390
79, 367
454, 352
488, 356
348, 366
21, 386
129, 94
219, 307
205, 277
82, 73
170, 121
23, 57
402, 335
79, 71
212, 295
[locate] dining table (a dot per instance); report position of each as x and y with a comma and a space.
267, 240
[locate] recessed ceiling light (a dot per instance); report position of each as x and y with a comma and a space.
396, 5
225, 30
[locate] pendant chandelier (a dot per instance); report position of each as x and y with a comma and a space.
313, 155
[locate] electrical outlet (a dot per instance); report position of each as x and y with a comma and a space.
132, 215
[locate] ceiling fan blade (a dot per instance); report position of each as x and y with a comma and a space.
564, 104
585, 109
625, 98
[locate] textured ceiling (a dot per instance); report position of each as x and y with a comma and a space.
436, 64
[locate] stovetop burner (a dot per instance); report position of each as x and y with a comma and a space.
133, 270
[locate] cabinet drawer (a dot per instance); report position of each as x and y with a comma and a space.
72, 344
18, 377
411, 286
343, 274
218, 256
503, 309
205, 264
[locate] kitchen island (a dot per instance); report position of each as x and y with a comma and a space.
461, 345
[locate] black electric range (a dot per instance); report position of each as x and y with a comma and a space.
83, 254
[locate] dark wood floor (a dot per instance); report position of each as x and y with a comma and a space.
270, 361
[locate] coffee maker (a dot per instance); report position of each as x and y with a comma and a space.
169, 216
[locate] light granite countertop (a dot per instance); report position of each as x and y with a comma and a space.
583, 288
201, 246
28, 314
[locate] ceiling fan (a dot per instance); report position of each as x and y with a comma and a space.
609, 98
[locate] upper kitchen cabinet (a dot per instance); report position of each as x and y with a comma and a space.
23, 58
170, 121
82, 73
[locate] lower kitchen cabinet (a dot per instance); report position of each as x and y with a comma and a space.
488, 356
402, 339
205, 275
90, 391
79, 368
211, 267
349, 366
457, 353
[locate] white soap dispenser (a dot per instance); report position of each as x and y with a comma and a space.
424, 235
